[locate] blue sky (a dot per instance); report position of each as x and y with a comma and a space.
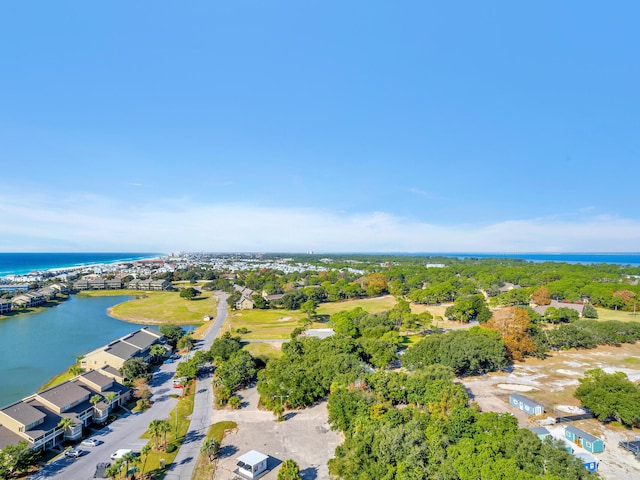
318, 125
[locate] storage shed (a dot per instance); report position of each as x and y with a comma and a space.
588, 461
252, 464
584, 439
525, 404
541, 432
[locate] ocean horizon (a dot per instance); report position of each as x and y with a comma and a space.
23, 263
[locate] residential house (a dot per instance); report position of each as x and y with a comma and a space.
525, 404
81, 284
578, 307
28, 300
14, 287
246, 298
113, 284
589, 462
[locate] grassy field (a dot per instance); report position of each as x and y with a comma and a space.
606, 314
160, 307
263, 324
204, 469
264, 351
371, 305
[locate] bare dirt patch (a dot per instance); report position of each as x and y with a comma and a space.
552, 382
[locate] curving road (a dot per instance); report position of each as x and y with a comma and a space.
125, 432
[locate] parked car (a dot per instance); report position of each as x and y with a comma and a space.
100, 469
72, 453
169, 360
120, 453
175, 356
89, 442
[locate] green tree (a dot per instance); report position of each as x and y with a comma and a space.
144, 455
610, 396
210, 447
289, 470
172, 333
189, 293
589, 311
155, 429
65, 424
309, 307
135, 368
157, 352
237, 370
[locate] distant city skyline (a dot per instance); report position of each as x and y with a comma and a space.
325, 126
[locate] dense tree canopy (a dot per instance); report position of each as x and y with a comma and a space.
610, 396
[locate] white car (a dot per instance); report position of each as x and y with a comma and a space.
89, 442
72, 453
120, 453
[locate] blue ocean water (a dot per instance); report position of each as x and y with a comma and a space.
586, 258
21, 263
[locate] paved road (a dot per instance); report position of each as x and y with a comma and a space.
201, 419
125, 432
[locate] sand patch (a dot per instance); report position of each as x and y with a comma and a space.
516, 387
284, 319
571, 409
571, 373
576, 364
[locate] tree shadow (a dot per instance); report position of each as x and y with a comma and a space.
309, 473
227, 451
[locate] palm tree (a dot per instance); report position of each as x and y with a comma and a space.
75, 370
210, 447
112, 471
144, 454
128, 458
165, 426
157, 351
65, 423
110, 397
95, 399
155, 430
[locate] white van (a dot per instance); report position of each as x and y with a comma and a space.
120, 453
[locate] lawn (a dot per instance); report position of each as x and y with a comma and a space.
204, 469
371, 305
606, 314
264, 351
160, 307
263, 324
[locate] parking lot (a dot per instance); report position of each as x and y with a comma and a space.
304, 437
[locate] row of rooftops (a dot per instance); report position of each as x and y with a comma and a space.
132, 344
39, 414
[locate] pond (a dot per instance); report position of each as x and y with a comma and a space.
36, 347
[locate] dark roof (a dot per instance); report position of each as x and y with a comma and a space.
142, 339
93, 377
64, 394
7, 437
112, 370
582, 434
23, 413
50, 422
122, 350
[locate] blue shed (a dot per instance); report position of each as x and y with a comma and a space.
584, 439
589, 462
541, 432
525, 404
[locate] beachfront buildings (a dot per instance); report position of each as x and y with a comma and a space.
87, 398
110, 358
148, 284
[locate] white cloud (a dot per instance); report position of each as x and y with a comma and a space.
94, 223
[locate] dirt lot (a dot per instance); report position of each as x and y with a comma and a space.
304, 437
552, 383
